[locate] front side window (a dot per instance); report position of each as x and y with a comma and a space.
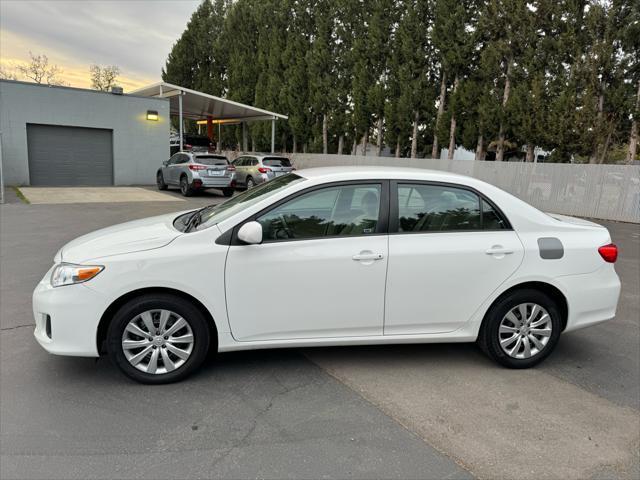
329, 212
437, 208
217, 213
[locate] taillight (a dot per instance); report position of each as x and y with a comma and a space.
187, 146
197, 167
263, 169
609, 253
231, 168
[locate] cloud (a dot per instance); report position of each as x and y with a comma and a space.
136, 35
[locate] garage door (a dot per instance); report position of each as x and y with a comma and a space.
69, 155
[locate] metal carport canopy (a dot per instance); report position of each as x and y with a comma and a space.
187, 103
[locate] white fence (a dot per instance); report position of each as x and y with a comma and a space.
609, 192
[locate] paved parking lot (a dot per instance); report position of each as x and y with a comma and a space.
422, 411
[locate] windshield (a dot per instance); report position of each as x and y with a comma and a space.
276, 162
211, 160
217, 213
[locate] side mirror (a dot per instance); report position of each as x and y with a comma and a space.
165, 163
250, 233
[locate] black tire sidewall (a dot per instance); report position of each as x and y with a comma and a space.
489, 337
185, 189
227, 192
182, 307
160, 181
252, 184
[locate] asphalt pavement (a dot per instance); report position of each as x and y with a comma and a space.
421, 411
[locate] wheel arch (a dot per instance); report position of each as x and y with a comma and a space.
108, 314
547, 288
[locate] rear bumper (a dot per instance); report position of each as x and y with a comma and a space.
210, 183
592, 298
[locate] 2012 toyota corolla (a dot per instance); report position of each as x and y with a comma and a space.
329, 256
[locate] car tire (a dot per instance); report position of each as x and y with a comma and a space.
504, 336
250, 183
160, 181
228, 192
175, 368
185, 188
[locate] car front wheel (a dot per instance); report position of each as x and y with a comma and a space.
158, 338
250, 183
521, 329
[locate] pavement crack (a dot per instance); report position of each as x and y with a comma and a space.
17, 326
261, 413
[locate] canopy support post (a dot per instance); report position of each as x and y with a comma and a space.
273, 135
245, 140
180, 115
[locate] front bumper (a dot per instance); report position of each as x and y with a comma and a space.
592, 298
67, 318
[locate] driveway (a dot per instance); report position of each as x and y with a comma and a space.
422, 411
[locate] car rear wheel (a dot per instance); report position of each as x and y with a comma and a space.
185, 188
250, 183
227, 192
160, 181
158, 338
521, 329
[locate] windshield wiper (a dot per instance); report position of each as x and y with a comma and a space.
194, 220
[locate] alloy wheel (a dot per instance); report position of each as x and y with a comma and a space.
525, 330
157, 341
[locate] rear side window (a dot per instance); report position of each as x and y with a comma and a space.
439, 208
276, 162
211, 160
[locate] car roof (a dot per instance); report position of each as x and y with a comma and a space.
263, 155
372, 172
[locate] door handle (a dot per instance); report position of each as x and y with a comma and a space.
498, 250
364, 257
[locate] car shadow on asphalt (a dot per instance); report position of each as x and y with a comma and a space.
244, 363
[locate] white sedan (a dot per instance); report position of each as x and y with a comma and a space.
329, 256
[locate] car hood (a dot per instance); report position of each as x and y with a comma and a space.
135, 236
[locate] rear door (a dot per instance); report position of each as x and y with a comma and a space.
177, 166
240, 169
449, 250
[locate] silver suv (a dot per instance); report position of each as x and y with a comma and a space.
193, 171
259, 168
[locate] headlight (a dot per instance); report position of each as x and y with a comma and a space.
68, 274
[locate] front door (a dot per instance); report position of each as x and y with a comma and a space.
320, 271
449, 250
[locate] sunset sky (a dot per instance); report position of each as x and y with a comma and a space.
135, 35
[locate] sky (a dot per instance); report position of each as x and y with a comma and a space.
135, 35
